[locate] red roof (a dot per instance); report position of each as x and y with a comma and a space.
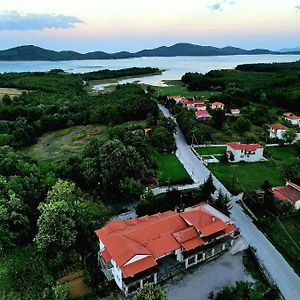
193, 243
202, 113
156, 235
289, 192
138, 266
278, 126
293, 117
106, 256
246, 147
217, 104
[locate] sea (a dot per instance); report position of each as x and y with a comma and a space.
174, 67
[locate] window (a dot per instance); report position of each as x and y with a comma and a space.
191, 260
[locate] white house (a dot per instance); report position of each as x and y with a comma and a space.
235, 112
237, 152
289, 192
293, 119
277, 131
217, 105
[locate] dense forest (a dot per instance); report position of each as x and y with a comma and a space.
50, 209
266, 84
56, 100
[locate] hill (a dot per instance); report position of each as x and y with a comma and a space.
31, 52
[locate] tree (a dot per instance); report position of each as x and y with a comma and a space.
67, 221
289, 135
57, 230
150, 292
208, 188
6, 100
222, 203
268, 196
14, 220
290, 169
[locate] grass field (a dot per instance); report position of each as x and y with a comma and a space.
9, 91
281, 240
63, 143
250, 176
170, 170
210, 150
181, 90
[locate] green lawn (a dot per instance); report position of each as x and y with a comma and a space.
210, 150
178, 89
281, 240
250, 176
170, 170
281, 153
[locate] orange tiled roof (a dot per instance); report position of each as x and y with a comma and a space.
278, 126
193, 243
138, 266
157, 235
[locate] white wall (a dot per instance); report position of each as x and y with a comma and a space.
242, 156
117, 274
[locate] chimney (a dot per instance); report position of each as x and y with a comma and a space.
213, 218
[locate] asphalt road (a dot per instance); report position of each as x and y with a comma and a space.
280, 271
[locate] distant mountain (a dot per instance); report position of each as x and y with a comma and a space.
31, 52
297, 49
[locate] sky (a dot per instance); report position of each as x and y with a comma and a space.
115, 25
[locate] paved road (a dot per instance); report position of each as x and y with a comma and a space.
281, 272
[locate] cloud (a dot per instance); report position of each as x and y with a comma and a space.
216, 7
297, 7
14, 20
221, 5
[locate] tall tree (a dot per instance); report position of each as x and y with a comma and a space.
208, 188
150, 292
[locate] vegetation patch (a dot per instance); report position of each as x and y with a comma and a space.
247, 176
210, 150
182, 91
285, 235
170, 170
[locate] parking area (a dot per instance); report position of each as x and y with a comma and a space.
197, 282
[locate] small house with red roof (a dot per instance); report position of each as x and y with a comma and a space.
289, 192
293, 119
235, 112
277, 131
203, 115
217, 105
237, 152
144, 250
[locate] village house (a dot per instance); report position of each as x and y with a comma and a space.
153, 248
289, 192
203, 115
277, 131
217, 105
293, 119
177, 99
235, 112
237, 152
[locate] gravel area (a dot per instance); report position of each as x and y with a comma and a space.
211, 276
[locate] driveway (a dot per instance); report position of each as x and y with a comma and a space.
280, 271
211, 276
